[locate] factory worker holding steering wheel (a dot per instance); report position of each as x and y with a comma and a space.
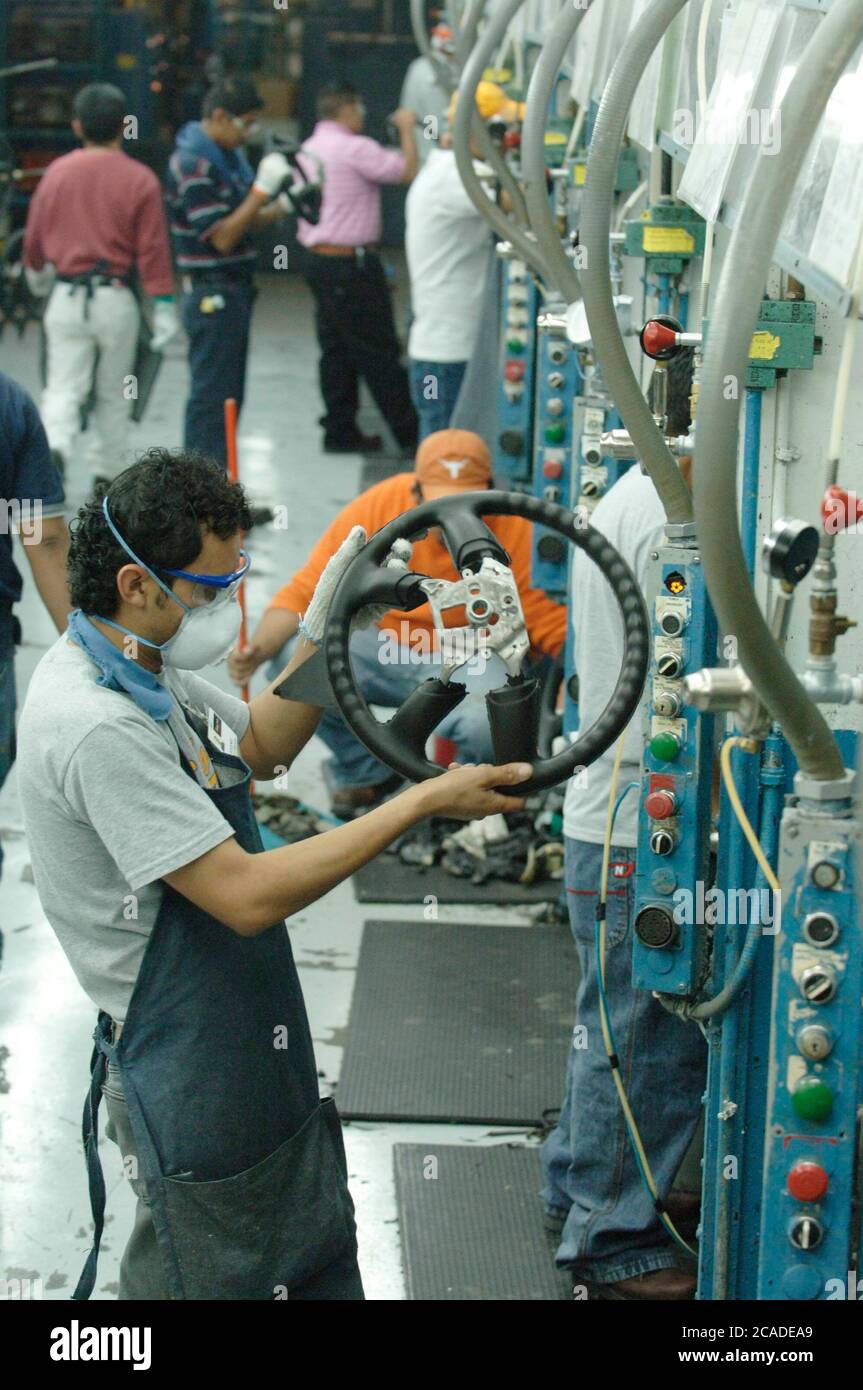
134, 774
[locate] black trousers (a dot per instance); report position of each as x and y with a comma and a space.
357, 337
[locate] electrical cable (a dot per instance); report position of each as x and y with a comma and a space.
641, 1159
710, 1008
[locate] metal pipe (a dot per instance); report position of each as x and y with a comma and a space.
539, 96
443, 72
608, 342
737, 307
524, 245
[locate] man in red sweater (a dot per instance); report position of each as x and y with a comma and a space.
391, 659
96, 223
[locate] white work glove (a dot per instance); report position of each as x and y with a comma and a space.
166, 324
272, 172
285, 204
314, 621
40, 283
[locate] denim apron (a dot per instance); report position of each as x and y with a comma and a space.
243, 1164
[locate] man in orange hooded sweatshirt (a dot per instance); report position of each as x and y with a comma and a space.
389, 660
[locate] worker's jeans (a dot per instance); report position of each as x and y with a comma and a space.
434, 388
389, 683
217, 316
611, 1229
7, 712
91, 344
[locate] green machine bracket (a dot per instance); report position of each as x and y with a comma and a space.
628, 173
666, 236
784, 341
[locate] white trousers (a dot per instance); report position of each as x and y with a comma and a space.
76, 331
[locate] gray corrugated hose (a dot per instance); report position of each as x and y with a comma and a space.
736, 312
595, 277
465, 117
539, 96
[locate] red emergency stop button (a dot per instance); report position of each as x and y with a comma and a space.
659, 338
660, 805
514, 371
807, 1181
552, 468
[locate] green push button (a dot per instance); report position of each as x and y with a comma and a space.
812, 1099
665, 747
514, 345
555, 434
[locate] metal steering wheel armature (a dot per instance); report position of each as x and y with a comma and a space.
489, 596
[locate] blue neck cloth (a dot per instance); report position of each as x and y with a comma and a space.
119, 672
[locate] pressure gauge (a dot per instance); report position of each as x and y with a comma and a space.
790, 551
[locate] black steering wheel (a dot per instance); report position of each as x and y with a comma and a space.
488, 596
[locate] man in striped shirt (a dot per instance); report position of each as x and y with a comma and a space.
216, 203
356, 328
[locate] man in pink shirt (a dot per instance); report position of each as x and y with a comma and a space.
97, 223
356, 329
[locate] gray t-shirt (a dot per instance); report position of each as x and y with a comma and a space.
109, 810
632, 518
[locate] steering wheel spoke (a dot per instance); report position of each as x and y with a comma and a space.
419, 715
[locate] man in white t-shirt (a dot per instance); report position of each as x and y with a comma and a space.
597, 1206
447, 251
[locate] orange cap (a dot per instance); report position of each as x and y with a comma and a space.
452, 461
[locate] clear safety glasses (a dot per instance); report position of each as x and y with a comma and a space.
214, 588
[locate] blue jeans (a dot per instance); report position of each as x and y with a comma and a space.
7, 717
611, 1230
443, 380
352, 765
218, 349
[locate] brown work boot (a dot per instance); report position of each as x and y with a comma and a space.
349, 802
660, 1285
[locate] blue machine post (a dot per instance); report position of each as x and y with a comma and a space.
672, 867
555, 448
513, 462
751, 467
807, 1235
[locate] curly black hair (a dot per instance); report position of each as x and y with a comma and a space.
159, 506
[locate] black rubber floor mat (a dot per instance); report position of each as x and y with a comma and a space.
471, 1224
459, 1023
388, 880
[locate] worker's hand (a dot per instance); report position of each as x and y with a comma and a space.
272, 172
466, 793
398, 558
244, 661
166, 324
404, 119
314, 621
